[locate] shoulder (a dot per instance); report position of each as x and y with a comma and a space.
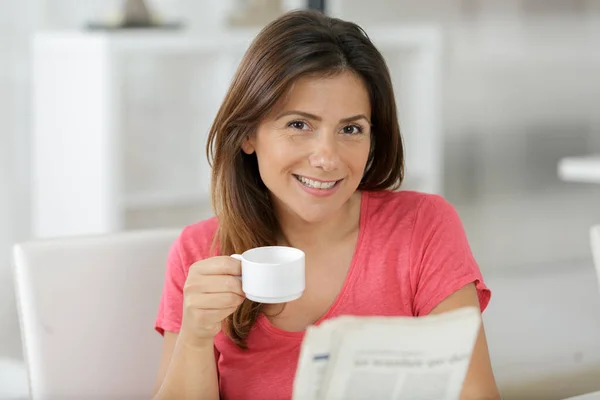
196, 241
406, 207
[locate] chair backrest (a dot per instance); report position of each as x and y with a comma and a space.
595, 242
87, 307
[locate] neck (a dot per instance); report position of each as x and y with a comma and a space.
299, 233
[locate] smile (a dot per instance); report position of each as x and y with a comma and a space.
314, 184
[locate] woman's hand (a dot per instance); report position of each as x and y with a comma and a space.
211, 293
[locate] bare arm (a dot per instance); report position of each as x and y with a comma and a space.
479, 383
187, 371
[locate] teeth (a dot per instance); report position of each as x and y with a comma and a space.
315, 184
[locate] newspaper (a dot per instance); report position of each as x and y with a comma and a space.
395, 358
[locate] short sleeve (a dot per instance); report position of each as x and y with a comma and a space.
441, 260
170, 309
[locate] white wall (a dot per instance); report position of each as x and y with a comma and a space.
15, 24
9, 343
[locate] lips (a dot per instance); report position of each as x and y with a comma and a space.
316, 184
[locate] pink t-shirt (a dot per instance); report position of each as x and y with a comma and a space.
411, 254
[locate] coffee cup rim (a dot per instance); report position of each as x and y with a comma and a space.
298, 254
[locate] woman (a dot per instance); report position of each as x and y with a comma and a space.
306, 150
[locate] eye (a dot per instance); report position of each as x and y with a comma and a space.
352, 130
299, 125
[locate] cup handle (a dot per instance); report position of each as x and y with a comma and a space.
239, 258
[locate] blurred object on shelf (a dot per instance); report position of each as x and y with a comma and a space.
135, 14
254, 13
317, 5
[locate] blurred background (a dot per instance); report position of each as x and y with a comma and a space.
493, 94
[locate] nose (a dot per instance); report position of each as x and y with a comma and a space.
325, 154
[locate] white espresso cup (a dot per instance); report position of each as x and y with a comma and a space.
272, 274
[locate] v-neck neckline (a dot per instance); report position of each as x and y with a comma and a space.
263, 320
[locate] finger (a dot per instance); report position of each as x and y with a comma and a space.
216, 284
221, 265
214, 301
216, 315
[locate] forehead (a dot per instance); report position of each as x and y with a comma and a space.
344, 93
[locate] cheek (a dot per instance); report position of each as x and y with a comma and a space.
359, 156
274, 158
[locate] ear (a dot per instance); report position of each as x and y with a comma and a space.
248, 145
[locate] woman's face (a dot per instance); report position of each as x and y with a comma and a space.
312, 149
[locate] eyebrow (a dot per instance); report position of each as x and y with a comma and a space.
317, 118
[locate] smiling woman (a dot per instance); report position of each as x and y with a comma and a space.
306, 152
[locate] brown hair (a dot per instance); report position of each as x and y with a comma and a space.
294, 45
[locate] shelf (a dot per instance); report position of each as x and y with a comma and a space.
147, 41
151, 42
87, 81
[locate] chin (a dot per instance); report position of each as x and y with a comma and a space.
313, 209
315, 213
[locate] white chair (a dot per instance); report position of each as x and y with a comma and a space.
87, 307
595, 242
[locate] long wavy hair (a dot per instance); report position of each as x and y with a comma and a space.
297, 44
